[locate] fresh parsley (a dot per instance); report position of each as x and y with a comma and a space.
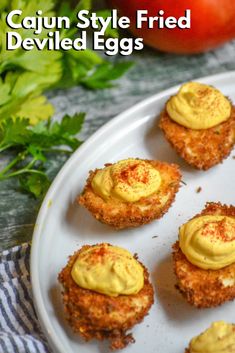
32, 144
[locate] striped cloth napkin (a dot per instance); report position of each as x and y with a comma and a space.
20, 331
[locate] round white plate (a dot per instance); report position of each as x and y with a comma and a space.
62, 228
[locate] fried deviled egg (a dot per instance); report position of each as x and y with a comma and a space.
218, 338
106, 291
199, 122
204, 257
131, 192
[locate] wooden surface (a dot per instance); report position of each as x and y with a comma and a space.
152, 73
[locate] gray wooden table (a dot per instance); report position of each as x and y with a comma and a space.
152, 73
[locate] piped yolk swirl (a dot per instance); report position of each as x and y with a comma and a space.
127, 180
209, 241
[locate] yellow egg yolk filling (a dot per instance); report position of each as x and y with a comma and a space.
127, 180
219, 338
209, 241
198, 106
108, 269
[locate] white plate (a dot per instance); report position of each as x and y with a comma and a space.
171, 322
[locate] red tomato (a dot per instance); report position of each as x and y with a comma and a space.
212, 23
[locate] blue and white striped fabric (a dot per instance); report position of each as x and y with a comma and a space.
19, 328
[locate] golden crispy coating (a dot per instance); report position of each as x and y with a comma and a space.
133, 214
96, 315
205, 288
200, 148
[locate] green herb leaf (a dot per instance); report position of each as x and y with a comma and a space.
72, 125
84, 5
40, 61
35, 184
35, 109
3, 5
48, 135
14, 133
105, 73
36, 152
5, 92
19, 96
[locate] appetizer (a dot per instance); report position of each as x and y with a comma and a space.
199, 122
131, 192
204, 257
106, 291
218, 338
